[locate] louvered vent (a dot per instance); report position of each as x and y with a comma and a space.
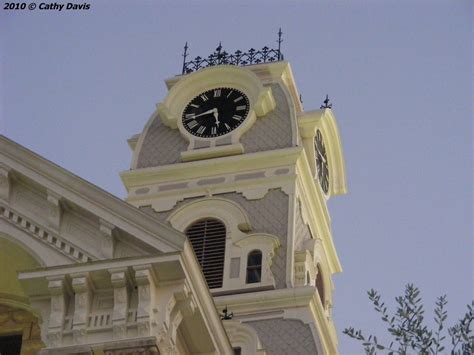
208, 240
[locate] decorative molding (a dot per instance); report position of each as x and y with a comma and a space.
252, 183
47, 237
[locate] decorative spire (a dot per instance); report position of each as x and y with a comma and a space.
326, 103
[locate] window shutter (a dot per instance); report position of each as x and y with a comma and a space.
208, 240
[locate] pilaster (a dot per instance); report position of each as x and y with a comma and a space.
145, 281
120, 279
59, 301
82, 287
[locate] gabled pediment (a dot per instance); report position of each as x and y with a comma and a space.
71, 216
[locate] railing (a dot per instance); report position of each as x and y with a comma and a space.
239, 58
100, 320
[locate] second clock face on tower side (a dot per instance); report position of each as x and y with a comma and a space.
321, 161
215, 112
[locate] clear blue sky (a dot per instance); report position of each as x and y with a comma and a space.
75, 85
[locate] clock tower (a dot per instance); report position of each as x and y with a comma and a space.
232, 160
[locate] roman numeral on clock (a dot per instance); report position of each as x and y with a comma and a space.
189, 116
192, 124
213, 130
226, 126
238, 99
240, 108
217, 93
201, 129
237, 117
204, 97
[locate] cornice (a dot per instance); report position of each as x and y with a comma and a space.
210, 167
88, 196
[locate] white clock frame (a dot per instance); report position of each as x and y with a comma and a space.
261, 102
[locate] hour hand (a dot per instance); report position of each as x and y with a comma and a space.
216, 116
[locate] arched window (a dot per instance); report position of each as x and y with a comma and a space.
320, 286
207, 237
254, 267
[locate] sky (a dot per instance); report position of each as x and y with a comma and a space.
76, 84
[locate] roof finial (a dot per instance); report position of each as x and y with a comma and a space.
185, 54
280, 56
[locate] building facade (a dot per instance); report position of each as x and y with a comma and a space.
225, 217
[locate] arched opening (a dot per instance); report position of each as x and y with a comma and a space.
320, 285
19, 327
254, 267
207, 237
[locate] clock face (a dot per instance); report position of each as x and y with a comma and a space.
321, 161
215, 112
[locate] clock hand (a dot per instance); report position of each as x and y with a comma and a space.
322, 157
216, 116
205, 113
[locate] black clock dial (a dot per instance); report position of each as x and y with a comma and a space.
215, 112
321, 161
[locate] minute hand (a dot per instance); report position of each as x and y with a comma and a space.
205, 113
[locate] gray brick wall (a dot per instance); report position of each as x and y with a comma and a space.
162, 145
285, 336
267, 215
272, 131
